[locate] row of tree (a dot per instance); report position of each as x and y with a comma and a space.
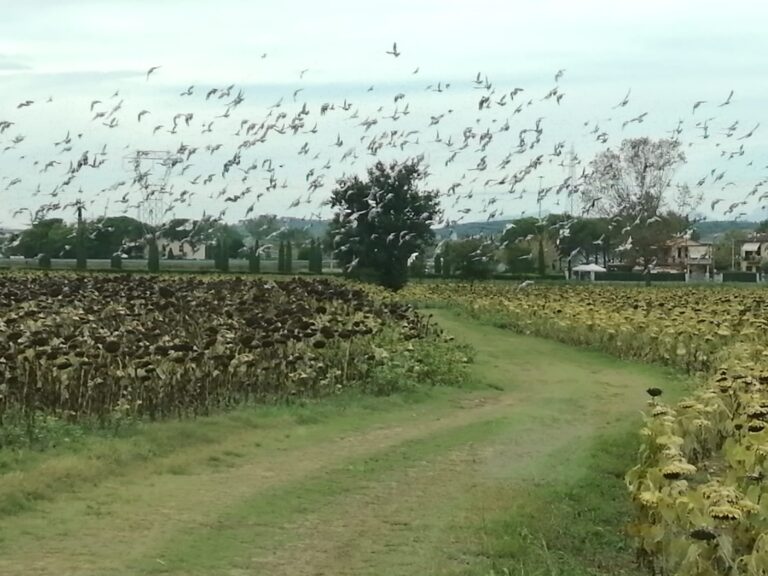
102, 238
530, 246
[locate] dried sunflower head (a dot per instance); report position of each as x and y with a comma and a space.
671, 440
748, 506
649, 498
756, 426
701, 423
726, 513
111, 346
62, 363
677, 470
703, 534
718, 493
688, 404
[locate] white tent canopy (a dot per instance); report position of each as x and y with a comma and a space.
588, 268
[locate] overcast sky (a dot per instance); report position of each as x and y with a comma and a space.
670, 54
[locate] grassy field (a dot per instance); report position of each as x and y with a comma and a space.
520, 473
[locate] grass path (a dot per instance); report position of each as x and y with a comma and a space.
462, 482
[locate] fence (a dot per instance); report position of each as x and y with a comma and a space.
742, 277
331, 267
139, 265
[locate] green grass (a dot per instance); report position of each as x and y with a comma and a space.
30, 476
239, 532
569, 523
569, 518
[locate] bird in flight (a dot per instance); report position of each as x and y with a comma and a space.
559, 74
624, 101
697, 104
727, 100
394, 51
151, 70
750, 133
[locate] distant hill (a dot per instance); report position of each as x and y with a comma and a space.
708, 229
318, 228
466, 229
315, 228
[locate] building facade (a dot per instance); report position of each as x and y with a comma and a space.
690, 256
753, 253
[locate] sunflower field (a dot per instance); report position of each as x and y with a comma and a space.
103, 348
699, 488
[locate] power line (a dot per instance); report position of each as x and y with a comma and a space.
151, 208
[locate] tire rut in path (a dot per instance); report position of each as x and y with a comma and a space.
103, 530
410, 522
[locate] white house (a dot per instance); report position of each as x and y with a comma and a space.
753, 253
181, 249
690, 256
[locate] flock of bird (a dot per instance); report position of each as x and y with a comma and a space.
124, 156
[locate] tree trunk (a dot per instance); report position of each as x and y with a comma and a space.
281, 258
153, 258
542, 266
288, 262
82, 261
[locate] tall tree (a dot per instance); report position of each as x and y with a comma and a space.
382, 221
288, 261
261, 227
635, 180
106, 236
281, 258
518, 258
726, 249
222, 250
541, 265
588, 239
153, 255
633, 187
50, 236
438, 265
80, 248
254, 257
526, 242
471, 258
318, 257
315, 257
269, 226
